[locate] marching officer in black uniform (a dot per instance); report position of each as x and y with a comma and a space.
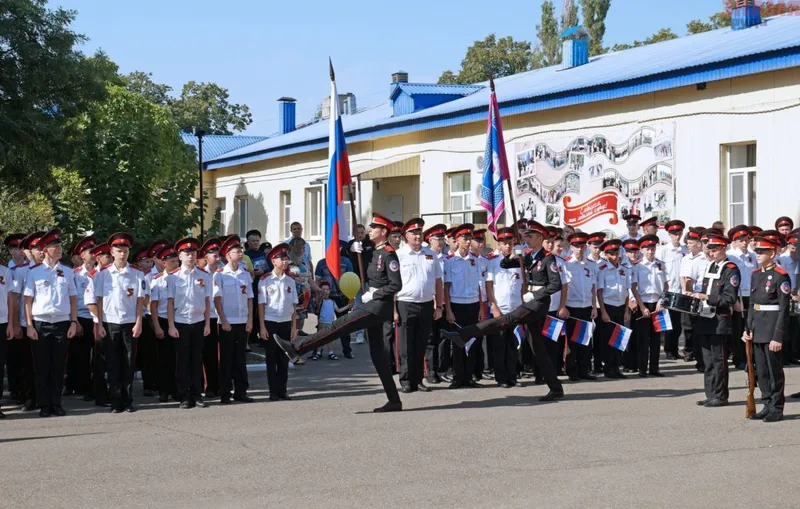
720, 292
383, 278
543, 280
768, 326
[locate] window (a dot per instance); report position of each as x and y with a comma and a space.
314, 220
240, 206
223, 216
286, 213
460, 197
741, 184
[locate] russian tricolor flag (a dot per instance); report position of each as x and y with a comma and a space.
661, 321
582, 333
519, 333
338, 177
620, 337
552, 328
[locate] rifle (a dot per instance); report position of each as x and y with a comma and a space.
750, 409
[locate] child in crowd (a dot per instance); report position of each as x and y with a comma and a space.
326, 314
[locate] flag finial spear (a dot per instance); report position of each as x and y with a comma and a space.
330, 66
491, 83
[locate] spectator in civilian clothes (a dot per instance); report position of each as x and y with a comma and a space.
297, 233
323, 275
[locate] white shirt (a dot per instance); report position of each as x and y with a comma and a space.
419, 271
235, 290
120, 290
694, 269
566, 278
81, 275
506, 284
747, 264
672, 257
623, 238
327, 312
158, 293
214, 272
650, 278
615, 282
789, 265
51, 288
278, 294
583, 278
464, 276
5, 288
18, 276
191, 291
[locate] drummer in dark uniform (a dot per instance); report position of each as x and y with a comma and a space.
719, 293
768, 326
383, 277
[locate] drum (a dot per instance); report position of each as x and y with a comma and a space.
794, 308
682, 303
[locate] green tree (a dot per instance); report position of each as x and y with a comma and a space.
138, 173
24, 212
722, 19
491, 57
72, 205
665, 34
44, 82
547, 32
594, 21
697, 27
206, 106
142, 83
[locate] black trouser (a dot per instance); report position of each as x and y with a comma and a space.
120, 362
598, 345
612, 356
445, 348
190, 360
579, 358
715, 358
389, 335
50, 355
504, 355
355, 320
738, 322
433, 359
555, 349
769, 370
415, 325
466, 316
99, 385
276, 359
79, 358
649, 342
630, 357
14, 364
147, 355
793, 341
211, 359
672, 338
167, 362
21, 367
233, 360
3, 350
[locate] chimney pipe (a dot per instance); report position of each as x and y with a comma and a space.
286, 115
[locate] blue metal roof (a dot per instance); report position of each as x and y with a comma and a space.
435, 89
577, 30
715, 55
215, 145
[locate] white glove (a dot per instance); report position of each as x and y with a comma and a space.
366, 298
356, 247
518, 251
528, 297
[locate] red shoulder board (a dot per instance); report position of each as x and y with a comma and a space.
450, 255
136, 267
603, 266
176, 270
568, 258
34, 266
781, 270
265, 276
528, 251
76, 270
491, 256
730, 265
547, 253
388, 248
201, 269
289, 273
158, 275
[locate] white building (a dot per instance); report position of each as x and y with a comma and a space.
699, 128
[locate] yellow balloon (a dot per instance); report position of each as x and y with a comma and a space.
349, 284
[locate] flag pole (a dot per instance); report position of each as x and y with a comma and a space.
351, 189
517, 234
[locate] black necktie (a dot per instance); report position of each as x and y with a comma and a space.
714, 268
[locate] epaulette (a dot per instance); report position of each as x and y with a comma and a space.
158, 275
781, 270
93, 272
602, 267
730, 265
131, 265
528, 251
547, 253
491, 256
176, 270
15, 267
201, 269
388, 248
76, 270
265, 276
34, 266
449, 255
568, 258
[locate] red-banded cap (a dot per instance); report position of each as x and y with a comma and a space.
438, 230
187, 244
382, 221
85, 243
120, 239
413, 224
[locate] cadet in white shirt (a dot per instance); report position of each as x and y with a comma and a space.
120, 292
581, 299
209, 251
613, 286
437, 354
745, 259
650, 227
632, 223
557, 350
189, 315
463, 303
504, 291
167, 262
51, 312
15, 345
6, 331
594, 254
102, 255
648, 283
146, 349
79, 359
233, 300
421, 274
693, 266
672, 254
277, 298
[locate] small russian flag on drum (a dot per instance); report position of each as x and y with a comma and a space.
552, 328
620, 337
582, 333
661, 321
519, 333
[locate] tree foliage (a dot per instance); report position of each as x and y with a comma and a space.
24, 212
723, 18
569, 15
491, 57
665, 34
594, 21
142, 83
547, 32
206, 106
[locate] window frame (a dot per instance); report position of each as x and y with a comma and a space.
285, 204
312, 194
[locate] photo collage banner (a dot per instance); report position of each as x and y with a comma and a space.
593, 180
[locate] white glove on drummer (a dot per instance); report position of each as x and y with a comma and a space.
356, 247
366, 298
528, 297
518, 251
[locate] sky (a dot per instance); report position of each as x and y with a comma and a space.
263, 50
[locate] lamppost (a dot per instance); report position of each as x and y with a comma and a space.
200, 133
